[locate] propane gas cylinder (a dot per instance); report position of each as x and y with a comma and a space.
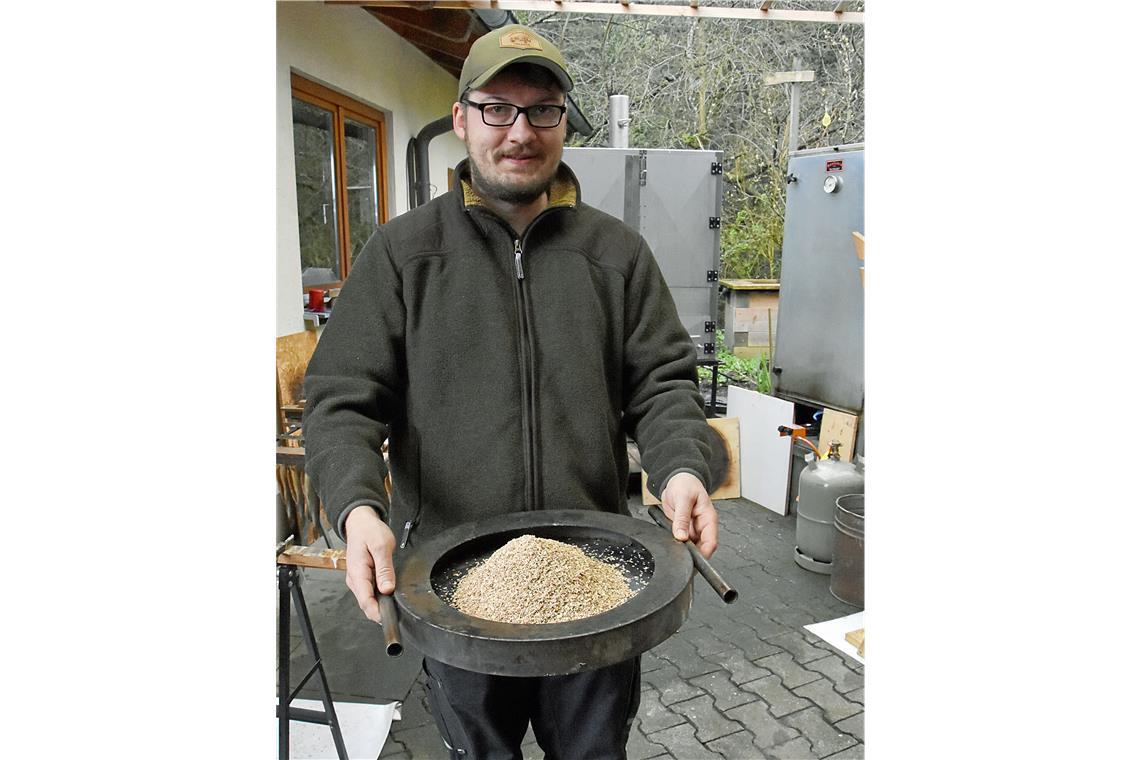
821, 483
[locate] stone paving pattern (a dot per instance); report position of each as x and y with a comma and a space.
742, 681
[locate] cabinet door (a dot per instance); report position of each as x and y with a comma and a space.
671, 210
819, 345
680, 196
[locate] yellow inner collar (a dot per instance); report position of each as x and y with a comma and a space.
562, 192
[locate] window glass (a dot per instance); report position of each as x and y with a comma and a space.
316, 193
360, 158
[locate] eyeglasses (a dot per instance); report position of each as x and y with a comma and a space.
542, 116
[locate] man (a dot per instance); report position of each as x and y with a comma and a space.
504, 338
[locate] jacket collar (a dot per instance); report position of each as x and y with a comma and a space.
565, 191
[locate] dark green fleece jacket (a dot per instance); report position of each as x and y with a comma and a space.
504, 370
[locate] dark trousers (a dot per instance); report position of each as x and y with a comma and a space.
585, 716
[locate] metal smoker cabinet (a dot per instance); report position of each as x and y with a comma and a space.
818, 358
672, 197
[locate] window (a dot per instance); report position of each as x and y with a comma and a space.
341, 179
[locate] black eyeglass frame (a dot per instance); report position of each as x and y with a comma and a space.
518, 110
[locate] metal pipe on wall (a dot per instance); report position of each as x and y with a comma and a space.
619, 121
419, 145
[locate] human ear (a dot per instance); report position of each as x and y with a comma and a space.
459, 120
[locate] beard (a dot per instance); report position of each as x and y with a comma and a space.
521, 191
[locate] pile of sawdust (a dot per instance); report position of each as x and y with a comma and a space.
539, 580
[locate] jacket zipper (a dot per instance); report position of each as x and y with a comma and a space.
409, 524
529, 372
526, 363
527, 360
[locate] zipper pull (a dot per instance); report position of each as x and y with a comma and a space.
518, 259
407, 533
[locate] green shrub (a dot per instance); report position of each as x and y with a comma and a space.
737, 370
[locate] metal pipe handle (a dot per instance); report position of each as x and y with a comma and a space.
391, 628
726, 592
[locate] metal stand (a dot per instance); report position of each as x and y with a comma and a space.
288, 581
710, 410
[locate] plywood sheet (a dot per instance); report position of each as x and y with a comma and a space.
859, 245
838, 426
729, 430
293, 355
765, 457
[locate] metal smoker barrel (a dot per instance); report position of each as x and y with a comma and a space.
847, 564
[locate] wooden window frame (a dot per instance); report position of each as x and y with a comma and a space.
343, 107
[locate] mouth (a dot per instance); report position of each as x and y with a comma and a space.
521, 159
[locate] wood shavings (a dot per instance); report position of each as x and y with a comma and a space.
538, 580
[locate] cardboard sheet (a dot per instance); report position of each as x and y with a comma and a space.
833, 631
765, 457
364, 728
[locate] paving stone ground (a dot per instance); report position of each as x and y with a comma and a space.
742, 681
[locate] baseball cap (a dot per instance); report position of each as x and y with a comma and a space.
501, 47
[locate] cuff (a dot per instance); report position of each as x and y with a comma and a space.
679, 470
381, 512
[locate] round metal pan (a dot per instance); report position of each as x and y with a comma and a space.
658, 569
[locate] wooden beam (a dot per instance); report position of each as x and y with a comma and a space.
783, 77
313, 556
293, 456
628, 9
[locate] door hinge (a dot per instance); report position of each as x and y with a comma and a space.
712, 275
710, 327
710, 348
641, 175
717, 167
714, 222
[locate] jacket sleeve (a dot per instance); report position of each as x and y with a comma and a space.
354, 387
664, 411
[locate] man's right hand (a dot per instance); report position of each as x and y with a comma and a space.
369, 559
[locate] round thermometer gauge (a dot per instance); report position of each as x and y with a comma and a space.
832, 183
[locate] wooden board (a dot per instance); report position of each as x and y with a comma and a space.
293, 355
729, 430
855, 639
838, 426
784, 77
858, 237
765, 457
313, 556
293, 456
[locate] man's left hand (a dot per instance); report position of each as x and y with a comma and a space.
686, 502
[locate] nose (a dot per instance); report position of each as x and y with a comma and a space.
521, 131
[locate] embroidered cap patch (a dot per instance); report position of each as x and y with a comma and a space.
520, 40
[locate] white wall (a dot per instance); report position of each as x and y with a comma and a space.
348, 50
